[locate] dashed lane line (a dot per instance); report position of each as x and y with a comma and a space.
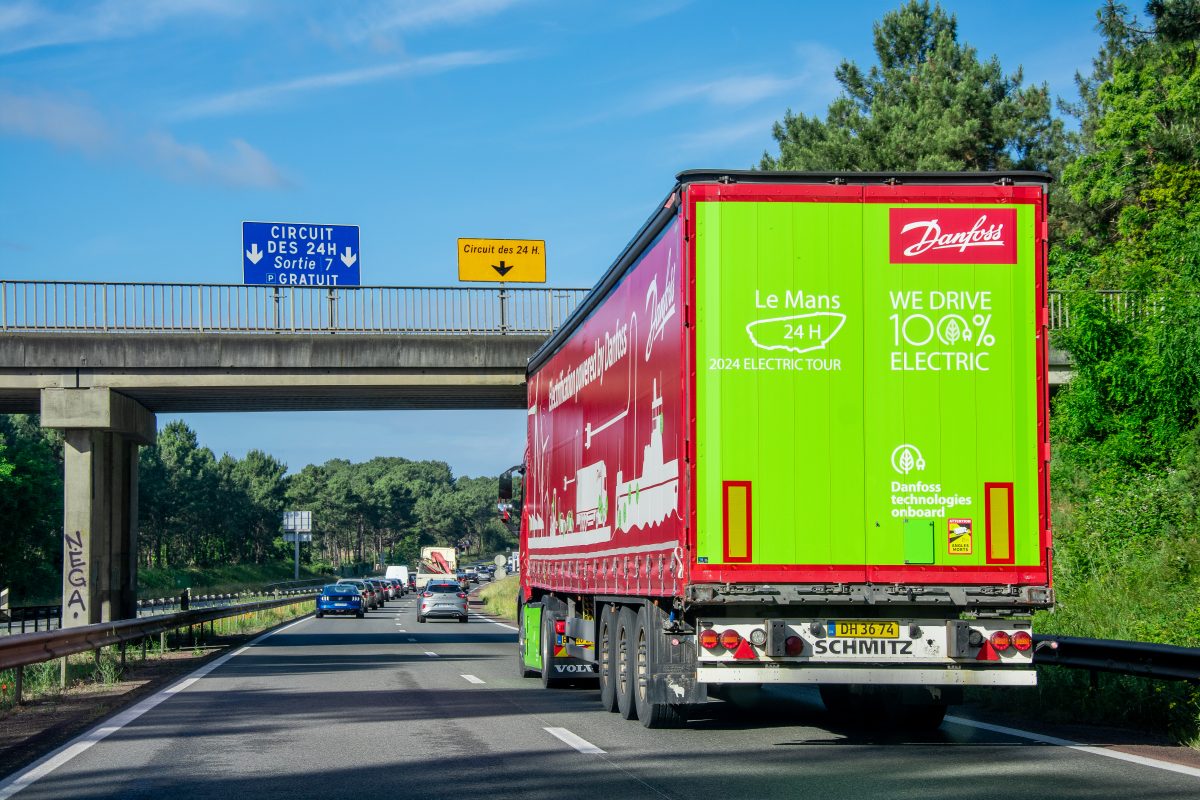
578, 742
473, 679
431, 655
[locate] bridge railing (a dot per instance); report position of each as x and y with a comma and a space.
1122, 305
218, 308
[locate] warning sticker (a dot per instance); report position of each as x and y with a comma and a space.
959, 541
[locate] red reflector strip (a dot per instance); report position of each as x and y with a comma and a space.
1000, 523
737, 516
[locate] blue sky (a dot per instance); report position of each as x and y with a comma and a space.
135, 138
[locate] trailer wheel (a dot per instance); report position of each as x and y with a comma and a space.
652, 714
548, 681
624, 653
606, 660
924, 717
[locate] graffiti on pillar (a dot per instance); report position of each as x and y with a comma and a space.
76, 574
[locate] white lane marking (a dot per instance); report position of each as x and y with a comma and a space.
472, 679
80, 744
1083, 748
431, 655
580, 744
482, 618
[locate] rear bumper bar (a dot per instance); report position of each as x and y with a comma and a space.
890, 676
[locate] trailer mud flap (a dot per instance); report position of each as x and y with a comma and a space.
676, 688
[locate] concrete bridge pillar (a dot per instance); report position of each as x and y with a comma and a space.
102, 431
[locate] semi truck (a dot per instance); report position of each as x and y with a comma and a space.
797, 434
437, 563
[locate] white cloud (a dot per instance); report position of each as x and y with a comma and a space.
811, 84
63, 123
734, 91
272, 93
716, 140
29, 26
410, 15
243, 166
77, 126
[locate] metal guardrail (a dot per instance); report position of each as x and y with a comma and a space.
1144, 659
21, 650
30, 619
22, 618
62, 306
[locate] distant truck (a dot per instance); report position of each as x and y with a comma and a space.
436, 562
797, 434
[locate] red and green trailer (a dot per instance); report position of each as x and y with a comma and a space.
797, 434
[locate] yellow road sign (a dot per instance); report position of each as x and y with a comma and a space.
505, 260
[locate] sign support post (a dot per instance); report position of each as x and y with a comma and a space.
299, 524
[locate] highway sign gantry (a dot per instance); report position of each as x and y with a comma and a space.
502, 260
300, 254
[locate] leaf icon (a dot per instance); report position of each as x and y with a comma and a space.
953, 332
906, 461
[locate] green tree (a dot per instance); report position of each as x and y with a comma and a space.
1136, 186
179, 500
930, 104
31, 507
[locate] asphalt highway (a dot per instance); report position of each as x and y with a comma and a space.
385, 707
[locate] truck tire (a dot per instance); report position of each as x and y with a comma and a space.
605, 657
548, 679
922, 718
652, 714
624, 653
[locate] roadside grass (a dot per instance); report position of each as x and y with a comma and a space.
500, 597
41, 682
1132, 593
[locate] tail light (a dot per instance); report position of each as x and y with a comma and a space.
730, 639
793, 645
427, 594
1000, 641
1022, 640
462, 595
709, 639
560, 626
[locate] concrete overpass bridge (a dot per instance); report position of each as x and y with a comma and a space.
99, 360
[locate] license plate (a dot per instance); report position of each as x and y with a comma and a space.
865, 629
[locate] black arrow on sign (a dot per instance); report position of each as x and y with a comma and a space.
503, 270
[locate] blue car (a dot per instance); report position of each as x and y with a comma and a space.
340, 598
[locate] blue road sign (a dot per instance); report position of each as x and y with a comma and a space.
295, 254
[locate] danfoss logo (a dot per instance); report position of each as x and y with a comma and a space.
661, 309
953, 235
